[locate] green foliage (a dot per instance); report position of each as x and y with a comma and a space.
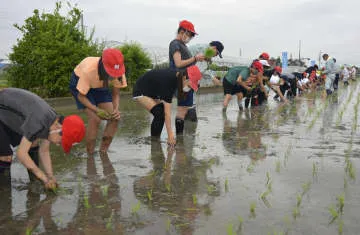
137, 61
50, 47
215, 67
209, 53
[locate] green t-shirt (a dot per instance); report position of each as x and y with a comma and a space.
234, 72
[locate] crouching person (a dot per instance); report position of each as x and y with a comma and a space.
90, 85
239, 81
154, 91
28, 122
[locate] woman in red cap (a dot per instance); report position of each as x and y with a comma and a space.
180, 58
155, 90
33, 131
89, 84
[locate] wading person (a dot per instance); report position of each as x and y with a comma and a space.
239, 81
28, 122
89, 84
155, 90
330, 71
180, 58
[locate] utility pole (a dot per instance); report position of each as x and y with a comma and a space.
299, 49
319, 57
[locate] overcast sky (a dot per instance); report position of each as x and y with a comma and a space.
274, 26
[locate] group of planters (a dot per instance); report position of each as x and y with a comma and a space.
28, 122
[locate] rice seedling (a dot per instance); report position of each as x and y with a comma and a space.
229, 229
86, 202
333, 213
209, 53
305, 188
341, 203
340, 227
314, 169
29, 231
298, 200
278, 166
267, 178
345, 182
109, 223
168, 224
211, 188
149, 195
135, 208
194, 198
252, 208
296, 212
168, 187
105, 190
269, 187
241, 223
250, 168
226, 185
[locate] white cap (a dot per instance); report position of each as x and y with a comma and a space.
264, 63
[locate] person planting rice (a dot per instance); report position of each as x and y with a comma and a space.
89, 84
154, 91
28, 122
274, 81
239, 81
180, 58
259, 94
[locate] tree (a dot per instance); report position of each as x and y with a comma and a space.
50, 47
137, 61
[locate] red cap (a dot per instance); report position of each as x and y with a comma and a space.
258, 66
195, 76
113, 61
73, 131
265, 56
278, 69
187, 25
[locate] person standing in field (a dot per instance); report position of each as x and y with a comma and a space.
180, 58
89, 84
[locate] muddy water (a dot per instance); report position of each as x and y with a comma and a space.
278, 169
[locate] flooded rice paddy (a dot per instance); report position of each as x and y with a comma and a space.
277, 169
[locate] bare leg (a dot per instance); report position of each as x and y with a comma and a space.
110, 128
91, 130
227, 99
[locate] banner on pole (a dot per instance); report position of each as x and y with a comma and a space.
284, 59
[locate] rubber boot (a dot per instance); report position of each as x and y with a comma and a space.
179, 126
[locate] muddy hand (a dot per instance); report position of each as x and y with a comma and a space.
171, 141
51, 184
115, 115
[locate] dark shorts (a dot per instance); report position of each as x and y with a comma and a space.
188, 101
8, 138
233, 89
95, 95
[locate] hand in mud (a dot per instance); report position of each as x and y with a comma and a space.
171, 141
115, 115
51, 184
102, 114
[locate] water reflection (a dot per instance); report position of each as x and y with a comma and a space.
243, 136
177, 184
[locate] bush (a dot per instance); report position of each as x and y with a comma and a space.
137, 61
50, 47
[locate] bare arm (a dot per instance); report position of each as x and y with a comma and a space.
167, 110
25, 159
116, 98
179, 63
44, 152
86, 102
242, 83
